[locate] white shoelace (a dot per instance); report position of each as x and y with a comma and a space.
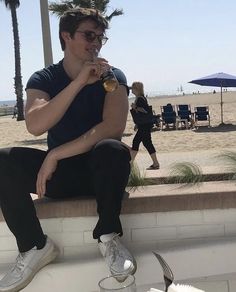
20, 261
112, 250
19, 266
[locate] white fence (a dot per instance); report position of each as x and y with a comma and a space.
6, 110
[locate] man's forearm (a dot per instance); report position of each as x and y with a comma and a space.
40, 119
84, 143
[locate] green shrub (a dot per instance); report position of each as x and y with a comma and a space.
185, 173
229, 157
136, 179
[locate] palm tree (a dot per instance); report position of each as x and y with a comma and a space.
46, 33
13, 5
60, 8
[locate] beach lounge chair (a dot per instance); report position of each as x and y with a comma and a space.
156, 120
201, 114
185, 117
168, 116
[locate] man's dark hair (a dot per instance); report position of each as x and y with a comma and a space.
72, 18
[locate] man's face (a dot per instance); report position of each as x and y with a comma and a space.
86, 42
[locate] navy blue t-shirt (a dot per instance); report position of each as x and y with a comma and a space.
84, 112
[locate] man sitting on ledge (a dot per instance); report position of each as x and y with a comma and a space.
85, 154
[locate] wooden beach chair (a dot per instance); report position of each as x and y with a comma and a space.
168, 116
202, 114
185, 116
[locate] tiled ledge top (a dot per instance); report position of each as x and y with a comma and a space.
154, 198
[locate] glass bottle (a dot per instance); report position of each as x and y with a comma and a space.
109, 81
108, 78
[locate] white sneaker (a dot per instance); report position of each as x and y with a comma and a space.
118, 258
26, 266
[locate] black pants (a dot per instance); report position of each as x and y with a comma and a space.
102, 172
143, 135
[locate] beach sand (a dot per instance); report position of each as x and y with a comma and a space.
170, 143
203, 138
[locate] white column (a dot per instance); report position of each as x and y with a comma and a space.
47, 45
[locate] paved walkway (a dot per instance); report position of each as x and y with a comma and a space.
208, 160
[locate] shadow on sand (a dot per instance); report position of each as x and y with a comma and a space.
33, 142
219, 128
127, 134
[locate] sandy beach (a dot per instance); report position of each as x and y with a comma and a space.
203, 138
167, 142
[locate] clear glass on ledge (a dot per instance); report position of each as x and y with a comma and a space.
111, 284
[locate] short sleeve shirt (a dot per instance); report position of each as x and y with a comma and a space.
85, 111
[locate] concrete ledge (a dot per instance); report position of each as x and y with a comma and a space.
154, 198
208, 174
162, 198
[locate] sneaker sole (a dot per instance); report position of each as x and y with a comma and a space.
45, 261
131, 271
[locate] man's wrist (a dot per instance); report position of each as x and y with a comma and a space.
53, 154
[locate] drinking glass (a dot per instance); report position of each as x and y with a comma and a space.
109, 284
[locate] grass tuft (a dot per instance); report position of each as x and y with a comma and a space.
185, 173
136, 179
229, 157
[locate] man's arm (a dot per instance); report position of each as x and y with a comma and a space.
114, 121
41, 113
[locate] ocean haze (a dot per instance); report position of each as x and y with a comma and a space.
7, 102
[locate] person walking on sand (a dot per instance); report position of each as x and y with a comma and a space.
85, 155
143, 133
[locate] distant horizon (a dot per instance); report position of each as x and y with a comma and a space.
150, 94
154, 93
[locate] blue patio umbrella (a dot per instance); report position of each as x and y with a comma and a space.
218, 80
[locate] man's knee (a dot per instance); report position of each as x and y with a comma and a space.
5, 160
109, 150
109, 147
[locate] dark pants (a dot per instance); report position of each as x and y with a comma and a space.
143, 135
102, 172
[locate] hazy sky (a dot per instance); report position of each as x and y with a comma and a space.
164, 43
